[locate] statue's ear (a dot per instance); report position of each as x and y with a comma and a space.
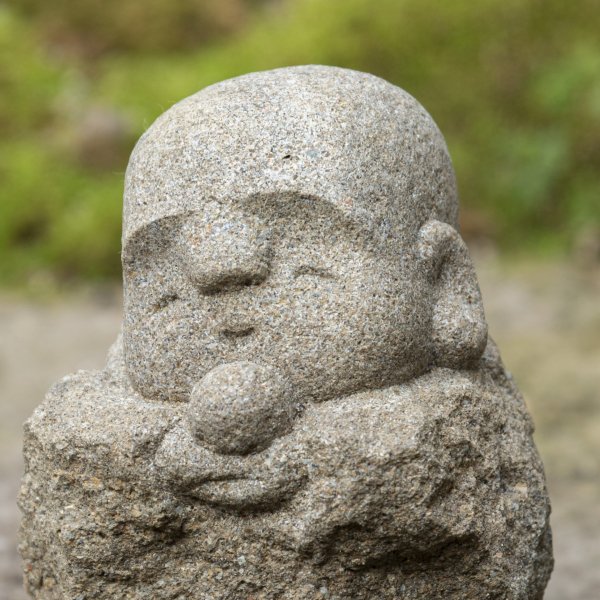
459, 330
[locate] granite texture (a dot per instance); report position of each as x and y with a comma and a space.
304, 401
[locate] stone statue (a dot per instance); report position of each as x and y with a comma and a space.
304, 402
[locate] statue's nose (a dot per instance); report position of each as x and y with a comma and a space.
226, 257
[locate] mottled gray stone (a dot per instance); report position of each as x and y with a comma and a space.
304, 402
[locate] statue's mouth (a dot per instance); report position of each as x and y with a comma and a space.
236, 332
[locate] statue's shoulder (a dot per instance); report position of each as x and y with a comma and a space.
88, 414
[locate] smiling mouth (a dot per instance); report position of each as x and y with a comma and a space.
237, 332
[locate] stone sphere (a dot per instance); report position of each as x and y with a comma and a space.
241, 407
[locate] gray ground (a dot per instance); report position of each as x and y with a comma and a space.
545, 318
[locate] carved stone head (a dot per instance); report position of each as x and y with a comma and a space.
302, 220
307, 404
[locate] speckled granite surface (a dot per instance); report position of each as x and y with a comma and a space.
304, 402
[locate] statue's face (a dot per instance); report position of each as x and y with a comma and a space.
291, 284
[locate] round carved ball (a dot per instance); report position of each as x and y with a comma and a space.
240, 407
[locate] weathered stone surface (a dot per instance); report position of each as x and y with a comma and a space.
304, 402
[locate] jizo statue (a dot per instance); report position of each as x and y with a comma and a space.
304, 402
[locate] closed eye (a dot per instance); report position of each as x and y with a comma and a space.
164, 301
313, 270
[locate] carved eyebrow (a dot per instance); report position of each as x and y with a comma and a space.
305, 269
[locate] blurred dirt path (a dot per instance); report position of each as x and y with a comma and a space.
545, 318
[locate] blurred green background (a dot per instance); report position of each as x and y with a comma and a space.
513, 84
